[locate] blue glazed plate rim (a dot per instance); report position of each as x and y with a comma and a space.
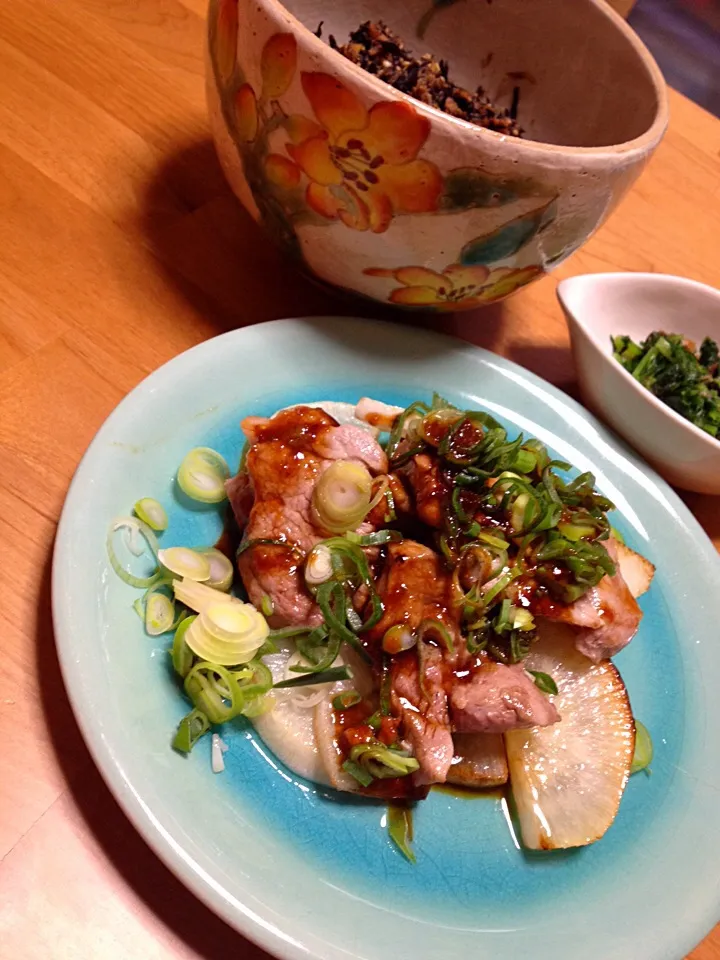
255, 920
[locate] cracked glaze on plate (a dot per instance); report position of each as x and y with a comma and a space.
303, 874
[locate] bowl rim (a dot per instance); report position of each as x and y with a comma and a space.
638, 145
661, 279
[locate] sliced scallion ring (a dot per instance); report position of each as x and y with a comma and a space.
643, 755
318, 566
191, 728
341, 498
152, 513
398, 639
400, 829
221, 570
344, 701
202, 475
185, 563
227, 632
132, 524
182, 655
159, 614
198, 596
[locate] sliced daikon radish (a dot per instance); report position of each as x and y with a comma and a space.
637, 572
567, 779
327, 746
289, 729
479, 762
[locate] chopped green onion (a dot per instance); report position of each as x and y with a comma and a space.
266, 541
221, 570
333, 602
351, 553
355, 770
185, 563
376, 539
199, 596
159, 614
382, 762
325, 676
614, 532
398, 639
577, 531
522, 619
643, 755
287, 633
255, 680
436, 630
406, 428
400, 829
182, 655
525, 461
320, 648
375, 720
343, 701
544, 682
191, 728
341, 497
214, 690
134, 525
266, 606
318, 566
503, 581
227, 632
152, 513
202, 475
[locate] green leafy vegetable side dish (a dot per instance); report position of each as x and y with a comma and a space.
669, 367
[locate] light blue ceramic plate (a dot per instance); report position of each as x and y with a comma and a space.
305, 874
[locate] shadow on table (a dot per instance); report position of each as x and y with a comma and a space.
210, 249
185, 916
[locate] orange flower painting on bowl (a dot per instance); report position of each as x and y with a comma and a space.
363, 165
458, 287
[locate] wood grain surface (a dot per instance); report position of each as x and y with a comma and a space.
121, 245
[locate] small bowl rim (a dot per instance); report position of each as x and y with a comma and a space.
667, 279
638, 144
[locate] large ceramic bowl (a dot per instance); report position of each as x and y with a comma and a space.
382, 195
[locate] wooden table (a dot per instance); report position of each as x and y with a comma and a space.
121, 245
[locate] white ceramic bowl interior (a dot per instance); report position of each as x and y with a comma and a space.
598, 306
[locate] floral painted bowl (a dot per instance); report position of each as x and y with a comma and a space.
377, 193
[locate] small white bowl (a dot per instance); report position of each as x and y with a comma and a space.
598, 306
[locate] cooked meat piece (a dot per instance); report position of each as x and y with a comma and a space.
414, 586
607, 616
352, 443
430, 491
423, 709
288, 453
480, 761
496, 698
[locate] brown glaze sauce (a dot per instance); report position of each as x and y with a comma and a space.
467, 793
297, 427
351, 728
